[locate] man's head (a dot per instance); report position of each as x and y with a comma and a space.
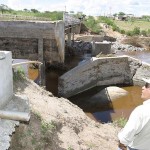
146, 89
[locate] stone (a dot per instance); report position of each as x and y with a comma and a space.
109, 94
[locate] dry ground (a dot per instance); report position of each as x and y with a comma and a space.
57, 124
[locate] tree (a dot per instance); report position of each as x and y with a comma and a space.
71, 12
4, 8
121, 13
26, 10
115, 14
34, 10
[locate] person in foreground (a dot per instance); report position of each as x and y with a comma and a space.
136, 133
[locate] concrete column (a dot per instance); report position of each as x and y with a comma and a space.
69, 36
6, 78
73, 36
69, 39
41, 59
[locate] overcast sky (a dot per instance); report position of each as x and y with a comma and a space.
88, 7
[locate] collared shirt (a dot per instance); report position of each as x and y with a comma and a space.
136, 133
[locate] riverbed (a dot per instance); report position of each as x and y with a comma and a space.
118, 108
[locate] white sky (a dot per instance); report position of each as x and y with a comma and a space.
88, 7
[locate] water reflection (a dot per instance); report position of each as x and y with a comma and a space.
122, 106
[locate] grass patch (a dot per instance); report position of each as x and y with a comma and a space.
70, 148
120, 122
130, 25
37, 115
18, 74
47, 126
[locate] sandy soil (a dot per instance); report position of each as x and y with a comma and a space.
57, 124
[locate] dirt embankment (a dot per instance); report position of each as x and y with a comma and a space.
57, 124
138, 42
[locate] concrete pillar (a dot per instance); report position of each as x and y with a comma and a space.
41, 59
73, 36
101, 47
69, 35
69, 39
6, 78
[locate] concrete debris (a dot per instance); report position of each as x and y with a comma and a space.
125, 47
7, 127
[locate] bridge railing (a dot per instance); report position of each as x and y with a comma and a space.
70, 20
19, 17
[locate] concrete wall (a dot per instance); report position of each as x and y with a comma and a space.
22, 37
6, 81
89, 38
101, 47
96, 38
103, 71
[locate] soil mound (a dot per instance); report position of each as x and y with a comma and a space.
57, 124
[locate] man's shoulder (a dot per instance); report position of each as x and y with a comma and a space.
138, 109
141, 109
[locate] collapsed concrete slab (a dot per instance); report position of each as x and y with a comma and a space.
103, 71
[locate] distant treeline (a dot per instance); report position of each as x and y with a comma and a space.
54, 15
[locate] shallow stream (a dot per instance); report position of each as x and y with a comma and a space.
101, 112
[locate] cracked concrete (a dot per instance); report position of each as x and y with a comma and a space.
7, 127
103, 71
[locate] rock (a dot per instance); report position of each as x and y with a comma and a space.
109, 94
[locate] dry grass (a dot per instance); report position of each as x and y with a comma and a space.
128, 25
138, 42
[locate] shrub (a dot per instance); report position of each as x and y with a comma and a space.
122, 31
115, 28
18, 74
120, 122
129, 33
136, 31
148, 32
93, 24
144, 33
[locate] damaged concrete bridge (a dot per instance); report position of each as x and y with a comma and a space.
104, 71
37, 40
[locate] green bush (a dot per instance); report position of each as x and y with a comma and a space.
115, 28
18, 73
92, 24
120, 122
144, 33
148, 32
129, 33
136, 31
122, 31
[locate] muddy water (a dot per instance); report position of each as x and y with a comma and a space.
143, 55
97, 111
30, 71
121, 107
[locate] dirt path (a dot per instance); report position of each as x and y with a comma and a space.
57, 124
